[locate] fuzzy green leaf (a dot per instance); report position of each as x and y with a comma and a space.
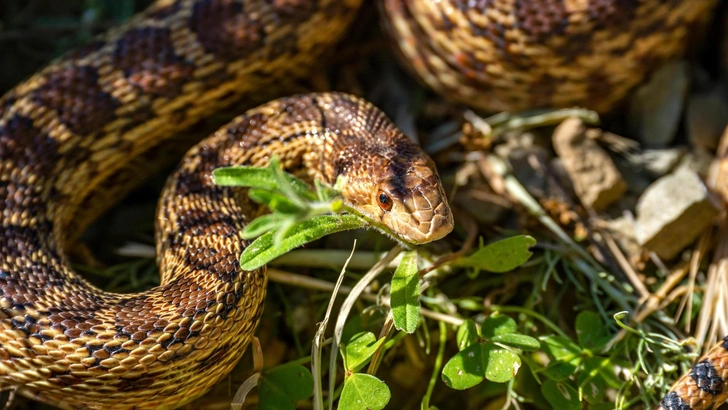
282, 386
501, 256
360, 350
465, 369
261, 225
275, 201
364, 392
405, 295
263, 178
523, 342
264, 249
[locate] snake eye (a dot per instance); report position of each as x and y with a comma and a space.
384, 201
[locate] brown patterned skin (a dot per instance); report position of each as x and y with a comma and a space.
73, 127
66, 131
704, 386
512, 55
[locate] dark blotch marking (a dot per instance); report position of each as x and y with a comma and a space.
77, 98
541, 19
672, 401
224, 30
227, 31
147, 58
724, 345
27, 146
615, 15
706, 378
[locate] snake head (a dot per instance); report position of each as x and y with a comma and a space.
405, 195
413, 204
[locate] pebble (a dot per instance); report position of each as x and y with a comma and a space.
672, 212
595, 178
658, 162
656, 106
698, 160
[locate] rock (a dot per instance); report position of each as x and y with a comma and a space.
658, 162
672, 212
706, 118
596, 180
622, 230
698, 160
656, 107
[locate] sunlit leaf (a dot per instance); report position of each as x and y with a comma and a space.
523, 342
364, 392
501, 256
263, 249
480, 361
405, 295
256, 177
497, 324
360, 349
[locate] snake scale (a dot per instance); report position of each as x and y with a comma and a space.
75, 125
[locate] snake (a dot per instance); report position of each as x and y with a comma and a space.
71, 134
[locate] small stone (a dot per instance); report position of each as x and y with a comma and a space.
659, 162
672, 212
656, 107
698, 160
597, 182
706, 118
622, 230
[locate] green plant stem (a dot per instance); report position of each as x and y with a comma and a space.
516, 309
436, 369
503, 122
346, 308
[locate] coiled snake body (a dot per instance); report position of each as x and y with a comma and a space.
76, 124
